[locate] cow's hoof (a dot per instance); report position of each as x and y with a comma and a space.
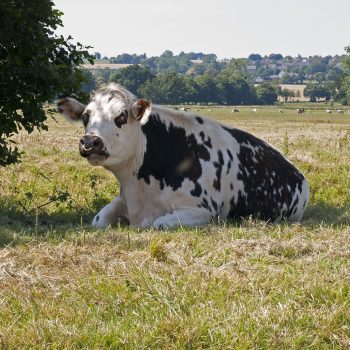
98, 222
159, 224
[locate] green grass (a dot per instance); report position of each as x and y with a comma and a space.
65, 285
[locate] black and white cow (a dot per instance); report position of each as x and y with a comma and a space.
177, 168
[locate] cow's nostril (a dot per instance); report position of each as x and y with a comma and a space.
97, 141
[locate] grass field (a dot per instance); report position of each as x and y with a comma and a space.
65, 285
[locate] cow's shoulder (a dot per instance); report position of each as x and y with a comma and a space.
175, 148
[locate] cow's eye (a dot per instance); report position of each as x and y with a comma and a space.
85, 117
121, 119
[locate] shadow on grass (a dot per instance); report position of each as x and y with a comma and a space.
323, 213
18, 226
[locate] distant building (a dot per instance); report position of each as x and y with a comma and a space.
251, 68
101, 66
197, 61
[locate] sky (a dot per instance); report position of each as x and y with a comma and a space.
227, 28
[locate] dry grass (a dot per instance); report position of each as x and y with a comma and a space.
65, 285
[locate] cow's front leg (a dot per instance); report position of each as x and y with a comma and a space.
185, 217
110, 214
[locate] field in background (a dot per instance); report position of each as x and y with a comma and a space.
65, 285
298, 89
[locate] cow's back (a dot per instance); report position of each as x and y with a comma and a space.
269, 186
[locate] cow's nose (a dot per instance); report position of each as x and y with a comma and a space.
90, 144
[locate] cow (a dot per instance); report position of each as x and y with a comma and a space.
176, 168
301, 110
255, 110
280, 110
340, 111
329, 111
235, 110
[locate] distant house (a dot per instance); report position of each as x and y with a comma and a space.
197, 61
281, 74
251, 68
93, 68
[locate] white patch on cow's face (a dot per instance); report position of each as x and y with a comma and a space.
111, 119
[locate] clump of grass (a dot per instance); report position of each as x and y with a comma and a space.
285, 144
158, 250
290, 250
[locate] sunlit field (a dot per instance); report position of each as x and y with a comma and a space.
227, 285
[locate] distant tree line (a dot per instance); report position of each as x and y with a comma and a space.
201, 78
229, 87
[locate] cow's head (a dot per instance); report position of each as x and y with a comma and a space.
111, 120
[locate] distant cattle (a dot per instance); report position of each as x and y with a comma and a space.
235, 110
280, 111
184, 109
255, 110
301, 110
179, 168
340, 111
328, 111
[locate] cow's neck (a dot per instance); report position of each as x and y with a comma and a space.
128, 169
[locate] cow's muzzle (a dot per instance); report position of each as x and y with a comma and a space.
92, 145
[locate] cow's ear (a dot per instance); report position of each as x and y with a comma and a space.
71, 108
142, 108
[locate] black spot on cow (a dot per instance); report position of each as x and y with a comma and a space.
197, 191
97, 218
167, 148
230, 155
215, 206
199, 120
204, 204
228, 167
231, 186
206, 141
258, 164
218, 165
293, 207
121, 119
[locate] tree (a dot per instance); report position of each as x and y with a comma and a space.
286, 94
343, 94
169, 88
235, 90
266, 94
275, 56
207, 89
316, 91
132, 77
90, 83
254, 57
36, 66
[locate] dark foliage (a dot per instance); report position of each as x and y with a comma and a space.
36, 66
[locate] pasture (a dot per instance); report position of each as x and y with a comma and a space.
65, 285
